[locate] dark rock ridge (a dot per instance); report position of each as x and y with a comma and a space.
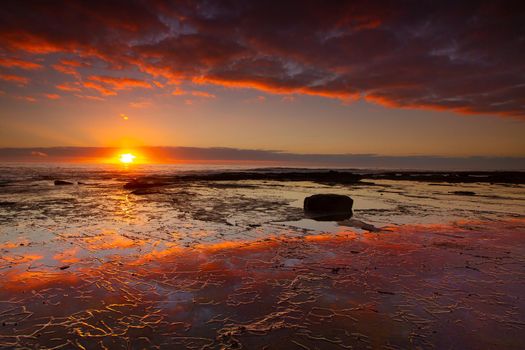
331, 177
144, 191
509, 177
327, 177
142, 184
63, 183
464, 193
324, 177
328, 207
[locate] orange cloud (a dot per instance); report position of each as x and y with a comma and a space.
17, 63
106, 85
66, 69
392, 102
14, 78
202, 94
155, 71
278, 89
121, 83
73, 63
52, 96
89, 97
68, 66
19, 40
100, 88
71, 87
159, 84
178, 92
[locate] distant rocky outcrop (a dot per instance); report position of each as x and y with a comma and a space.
507, 177
144, 191
328, 207
63, 183
143, 184
464, 193
325, 177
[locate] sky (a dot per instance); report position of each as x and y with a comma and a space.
351, 78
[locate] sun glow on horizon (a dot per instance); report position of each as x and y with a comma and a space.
127, 158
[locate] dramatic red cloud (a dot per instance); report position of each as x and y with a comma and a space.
71, 87
14, 78
70, 67
52, 96
89, 97
271, 87
17, 63
178, 92
99, 87
107, 85
66, 70
121, 83
30, 43
202, 94
466, 57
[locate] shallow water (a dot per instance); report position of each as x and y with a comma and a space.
235, 264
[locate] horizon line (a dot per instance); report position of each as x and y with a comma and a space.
181, 154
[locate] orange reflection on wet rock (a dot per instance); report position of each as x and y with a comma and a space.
11, 245
68, 256
24, 280
110, 240
20, 258
414, 286
170, 250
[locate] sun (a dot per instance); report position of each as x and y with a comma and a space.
127, 158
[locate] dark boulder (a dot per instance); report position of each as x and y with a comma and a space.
62, 183
328, 207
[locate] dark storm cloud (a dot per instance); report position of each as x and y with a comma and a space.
463, 56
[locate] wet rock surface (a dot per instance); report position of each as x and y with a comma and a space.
414, 287
229, 264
